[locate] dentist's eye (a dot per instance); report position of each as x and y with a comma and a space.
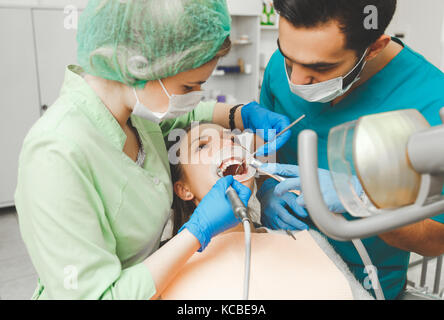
323, 70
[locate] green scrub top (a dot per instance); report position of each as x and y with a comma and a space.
88, 214
408, 81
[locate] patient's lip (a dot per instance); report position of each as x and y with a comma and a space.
234, 168
235, 155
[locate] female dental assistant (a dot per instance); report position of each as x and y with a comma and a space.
94, 187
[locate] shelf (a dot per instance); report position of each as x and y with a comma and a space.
242, 43
216, 75
269, 27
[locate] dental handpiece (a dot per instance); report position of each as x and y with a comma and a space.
238, 206
239, 209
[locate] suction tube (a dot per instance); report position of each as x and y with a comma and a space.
241, 212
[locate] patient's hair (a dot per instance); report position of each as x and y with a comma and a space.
182, 209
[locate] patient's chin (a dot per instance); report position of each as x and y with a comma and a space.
249, 183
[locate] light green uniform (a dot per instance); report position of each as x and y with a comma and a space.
88, 214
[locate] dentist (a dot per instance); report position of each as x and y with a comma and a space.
335, 64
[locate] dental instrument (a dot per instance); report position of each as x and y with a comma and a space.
280, 134
241, 212
283, 131
257, 164
290, 234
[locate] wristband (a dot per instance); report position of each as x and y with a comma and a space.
232, 114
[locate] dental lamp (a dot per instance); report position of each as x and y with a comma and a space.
399, 160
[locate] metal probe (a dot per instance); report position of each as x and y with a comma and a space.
285, 130
280, 133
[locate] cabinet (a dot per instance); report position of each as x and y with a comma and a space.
19, 104
36, 47
56, 48
239, 87
243, 88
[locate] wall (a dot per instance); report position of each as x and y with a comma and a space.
422, 21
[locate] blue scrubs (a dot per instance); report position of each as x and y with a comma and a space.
408, 81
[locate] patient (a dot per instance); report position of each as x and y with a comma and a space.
281, 267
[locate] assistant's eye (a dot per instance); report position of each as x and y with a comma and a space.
187, 88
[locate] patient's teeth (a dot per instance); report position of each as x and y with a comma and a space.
229, 162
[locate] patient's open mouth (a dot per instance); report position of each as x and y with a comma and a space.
233, 167
233, 161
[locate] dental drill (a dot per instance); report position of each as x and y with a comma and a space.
241, 212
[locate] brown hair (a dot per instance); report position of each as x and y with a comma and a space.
224, 49
182, 209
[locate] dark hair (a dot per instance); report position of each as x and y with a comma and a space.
349, 13
182, 210
224, 48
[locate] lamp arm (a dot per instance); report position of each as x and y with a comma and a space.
335, 225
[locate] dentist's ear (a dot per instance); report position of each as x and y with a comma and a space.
377, 47
182, 190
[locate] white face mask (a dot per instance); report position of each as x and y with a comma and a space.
327, 91
178, 106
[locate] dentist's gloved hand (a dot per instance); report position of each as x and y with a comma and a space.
327, 187
274, 214
267, 125
214, 214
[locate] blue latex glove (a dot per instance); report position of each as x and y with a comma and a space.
267, 125
214, 214
274, 214
327, 187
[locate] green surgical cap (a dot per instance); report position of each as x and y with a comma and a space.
135, 41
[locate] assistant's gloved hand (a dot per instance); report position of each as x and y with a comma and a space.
274, 214
214, 214
267, 125
327, 187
